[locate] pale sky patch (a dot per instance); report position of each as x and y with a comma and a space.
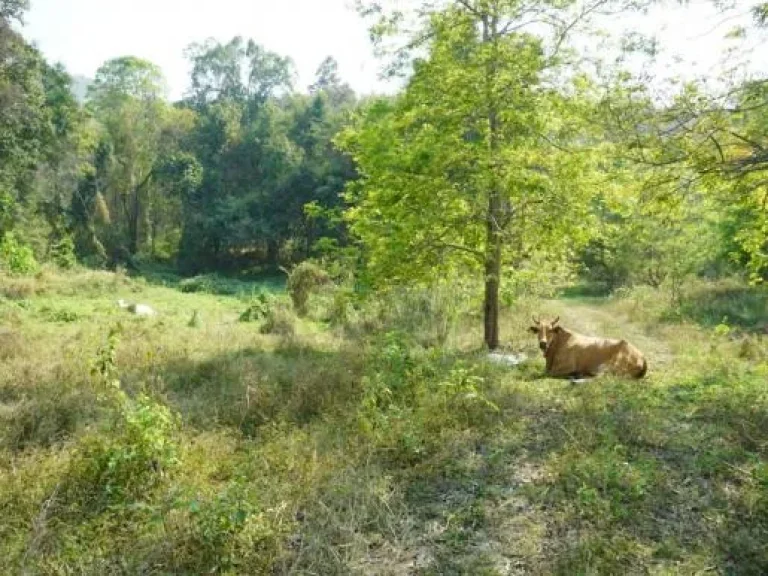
82, 34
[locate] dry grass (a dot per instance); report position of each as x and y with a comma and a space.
367, 446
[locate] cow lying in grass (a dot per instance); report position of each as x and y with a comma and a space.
573, 355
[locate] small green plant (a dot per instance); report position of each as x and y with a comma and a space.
463, 386
722, 329
59, 315
16, 257
257, 309
232, 532
195, 321
128, 458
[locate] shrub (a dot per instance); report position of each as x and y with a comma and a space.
16, 257
279, 320
257, 309
63, 253
302, 280
122, 463
196, 284
231, 532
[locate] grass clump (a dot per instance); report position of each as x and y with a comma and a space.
279, 320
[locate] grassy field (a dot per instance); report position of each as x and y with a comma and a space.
373, 439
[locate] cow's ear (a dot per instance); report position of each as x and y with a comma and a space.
557, 329
534, 329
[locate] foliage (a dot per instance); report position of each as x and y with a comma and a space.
457, 178
15, 256
258, 308
63, 253
302, 280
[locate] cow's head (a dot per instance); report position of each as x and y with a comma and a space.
545, 331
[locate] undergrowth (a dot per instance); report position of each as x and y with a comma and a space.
372, 436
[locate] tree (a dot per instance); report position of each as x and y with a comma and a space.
126, 97
265, 154
24, 121
13, 9
471, 160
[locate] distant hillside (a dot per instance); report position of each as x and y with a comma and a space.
80, 86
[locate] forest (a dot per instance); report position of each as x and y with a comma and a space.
327, 273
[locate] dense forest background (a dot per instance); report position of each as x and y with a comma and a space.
508, 156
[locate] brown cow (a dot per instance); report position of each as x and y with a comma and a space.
569, 354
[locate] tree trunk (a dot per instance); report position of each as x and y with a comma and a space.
133, 224
494, 216
492, 278
273, 252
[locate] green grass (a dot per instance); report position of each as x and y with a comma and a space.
372, 441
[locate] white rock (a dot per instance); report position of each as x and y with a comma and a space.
507, 359
138, 309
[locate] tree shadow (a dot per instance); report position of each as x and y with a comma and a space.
743, 307
216, 283
615, 479
249, 388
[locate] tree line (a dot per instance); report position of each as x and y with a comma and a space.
507, 157
224, 179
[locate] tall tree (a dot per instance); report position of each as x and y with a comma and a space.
24, 120
473, 156
126, 97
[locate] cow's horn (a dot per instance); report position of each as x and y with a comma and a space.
535, 320
555, 321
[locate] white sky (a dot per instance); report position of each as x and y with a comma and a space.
84, 33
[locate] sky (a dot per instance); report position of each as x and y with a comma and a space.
82, 34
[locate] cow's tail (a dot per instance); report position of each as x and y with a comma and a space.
643, 370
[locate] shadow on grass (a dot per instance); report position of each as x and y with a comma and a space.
743, 307
671, 478
603, 478
249, 388
212, 283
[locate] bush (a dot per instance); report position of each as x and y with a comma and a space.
16, 257
231, 532
121, 464
302, 281
124, 462
196, 284
258, 308
411, 396
63, 253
